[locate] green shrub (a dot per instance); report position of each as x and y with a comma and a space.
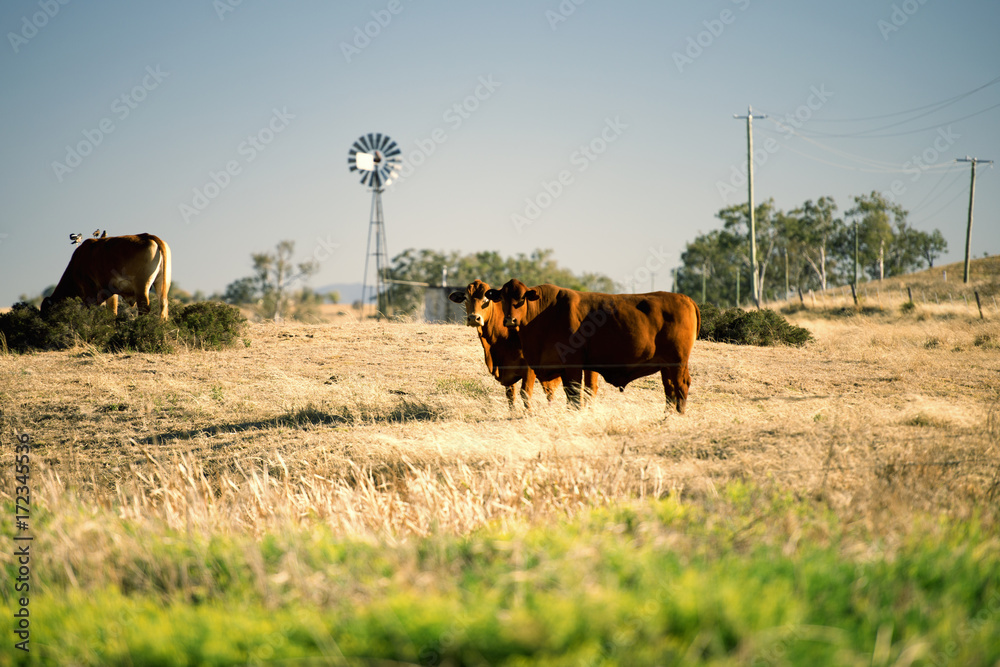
210, 324
749, 327
205, 325
907, 307
23, 328
143, 333
71, 321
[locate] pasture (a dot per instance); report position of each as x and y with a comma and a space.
359, 493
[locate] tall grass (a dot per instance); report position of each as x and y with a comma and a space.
365, 492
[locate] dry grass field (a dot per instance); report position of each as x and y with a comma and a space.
390, 429
390, 433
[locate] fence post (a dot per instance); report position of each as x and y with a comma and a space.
854, 293
979, 305
909, 293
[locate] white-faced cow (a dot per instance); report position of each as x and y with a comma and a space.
103, 269
501, 347
621, 336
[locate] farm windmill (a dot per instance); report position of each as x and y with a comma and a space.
376, 156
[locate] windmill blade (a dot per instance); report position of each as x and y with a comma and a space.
376, 157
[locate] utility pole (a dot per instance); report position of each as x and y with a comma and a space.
737, 286
972, 195
786, 273
855, 252
753, 227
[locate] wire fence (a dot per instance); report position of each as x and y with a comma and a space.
961, 300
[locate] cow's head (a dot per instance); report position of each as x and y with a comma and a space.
513, 298
477, 306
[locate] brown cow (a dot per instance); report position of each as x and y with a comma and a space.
502, 350
101, 270
621, 336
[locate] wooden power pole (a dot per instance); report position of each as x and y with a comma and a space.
753, 231
972, 196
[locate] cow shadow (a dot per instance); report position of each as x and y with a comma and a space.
310, 416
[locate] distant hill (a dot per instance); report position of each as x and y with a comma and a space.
984, 276
349, 292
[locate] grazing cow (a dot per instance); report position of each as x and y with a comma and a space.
621, 336
103, 269
503, 351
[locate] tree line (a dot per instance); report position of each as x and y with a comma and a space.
806, 248
434, 267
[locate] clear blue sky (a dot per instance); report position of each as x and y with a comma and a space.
161, 96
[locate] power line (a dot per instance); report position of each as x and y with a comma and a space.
867, 134
938, 210
873, 166
927, 197
939, 104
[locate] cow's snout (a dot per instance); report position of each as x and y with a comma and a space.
510, 321
474, 320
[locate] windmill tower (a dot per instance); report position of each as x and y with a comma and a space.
376, 156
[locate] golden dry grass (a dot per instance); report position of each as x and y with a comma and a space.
386, 429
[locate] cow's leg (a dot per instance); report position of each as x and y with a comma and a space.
112, 304
511, 388
590, 382
142, 302
549, 387
676, 381
571, 384
527, 388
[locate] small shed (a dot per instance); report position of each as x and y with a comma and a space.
438, 309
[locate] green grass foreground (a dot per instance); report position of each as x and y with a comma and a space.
751, 576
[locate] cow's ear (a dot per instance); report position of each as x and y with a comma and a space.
457, 297
493, 295
531, 295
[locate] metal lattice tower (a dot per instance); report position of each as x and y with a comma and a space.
376, 156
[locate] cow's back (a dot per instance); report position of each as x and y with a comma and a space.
102, 268
621, 336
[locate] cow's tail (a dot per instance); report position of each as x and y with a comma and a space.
163, 280
697, 312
